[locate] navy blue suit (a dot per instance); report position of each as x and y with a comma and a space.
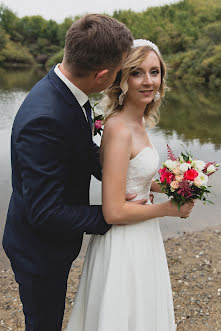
53, 158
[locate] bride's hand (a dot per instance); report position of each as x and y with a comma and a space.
130, 196
151, 197
184, 212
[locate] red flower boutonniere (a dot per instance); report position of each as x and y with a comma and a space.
97, 124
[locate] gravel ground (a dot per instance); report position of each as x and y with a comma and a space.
194, 261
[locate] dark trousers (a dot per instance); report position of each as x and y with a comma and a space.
43, 299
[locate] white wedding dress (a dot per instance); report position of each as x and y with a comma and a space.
125, 283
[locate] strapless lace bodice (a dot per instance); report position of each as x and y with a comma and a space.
141, 170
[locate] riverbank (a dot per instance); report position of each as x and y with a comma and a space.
194, 261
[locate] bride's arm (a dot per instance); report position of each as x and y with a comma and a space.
117, 143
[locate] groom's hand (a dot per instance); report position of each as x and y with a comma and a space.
130, 196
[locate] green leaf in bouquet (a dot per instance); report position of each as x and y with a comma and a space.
96, 103
99, 117
186, 158
209, 201
189, 154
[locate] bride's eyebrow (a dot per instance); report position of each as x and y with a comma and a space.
138, 68
143, 70
155, 67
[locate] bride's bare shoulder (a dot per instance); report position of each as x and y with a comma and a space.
116, 126
116, 137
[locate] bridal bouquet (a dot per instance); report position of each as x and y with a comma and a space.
185, 178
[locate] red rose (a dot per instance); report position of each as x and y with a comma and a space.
164, 173
190, 174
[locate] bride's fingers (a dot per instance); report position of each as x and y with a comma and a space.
140, 202
130, 196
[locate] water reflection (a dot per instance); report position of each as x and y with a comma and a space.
20, 78
10, 101
192, 114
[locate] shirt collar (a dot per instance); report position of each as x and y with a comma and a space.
81, 97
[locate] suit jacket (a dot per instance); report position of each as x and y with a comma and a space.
53, 157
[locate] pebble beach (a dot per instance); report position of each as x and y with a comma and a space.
194, 261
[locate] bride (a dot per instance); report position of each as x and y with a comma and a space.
125, 284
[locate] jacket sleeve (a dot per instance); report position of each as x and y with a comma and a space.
96, 170
39, 147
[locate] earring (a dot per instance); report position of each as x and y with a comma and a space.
121, 98
157, 96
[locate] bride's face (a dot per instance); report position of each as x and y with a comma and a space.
144, 82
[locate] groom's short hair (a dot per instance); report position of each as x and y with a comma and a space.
95, 42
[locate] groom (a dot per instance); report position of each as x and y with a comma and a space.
53, 158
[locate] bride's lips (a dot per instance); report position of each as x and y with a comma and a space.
147, 92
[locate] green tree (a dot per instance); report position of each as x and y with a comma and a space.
213, 32
3, 38
32, 28
62, 29
51, 32
8, 22
56, 58
16, 53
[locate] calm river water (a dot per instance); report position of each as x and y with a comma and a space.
189, 117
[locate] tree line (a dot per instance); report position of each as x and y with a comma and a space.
188, 34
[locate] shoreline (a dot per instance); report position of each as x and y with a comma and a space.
194, 261
169, 229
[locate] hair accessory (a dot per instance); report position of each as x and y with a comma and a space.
157, 96
144, 42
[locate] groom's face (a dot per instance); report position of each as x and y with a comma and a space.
110, 77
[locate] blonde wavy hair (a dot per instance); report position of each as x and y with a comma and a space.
110, 102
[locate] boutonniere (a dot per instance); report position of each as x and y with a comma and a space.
97, 122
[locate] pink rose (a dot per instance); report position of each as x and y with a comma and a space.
176, 171
98, 124
198, 181
179, 178
174, 185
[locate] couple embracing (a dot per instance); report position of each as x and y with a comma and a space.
125, 283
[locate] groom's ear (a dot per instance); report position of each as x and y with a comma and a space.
100, 76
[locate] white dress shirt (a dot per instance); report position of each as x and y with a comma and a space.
81, 97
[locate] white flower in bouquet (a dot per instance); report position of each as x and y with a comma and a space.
211, 169
98, 112
198, 165
170, 164
204, 179
184, 167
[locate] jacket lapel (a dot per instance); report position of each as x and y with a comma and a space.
70, 98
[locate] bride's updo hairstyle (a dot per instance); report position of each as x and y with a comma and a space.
116, 95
